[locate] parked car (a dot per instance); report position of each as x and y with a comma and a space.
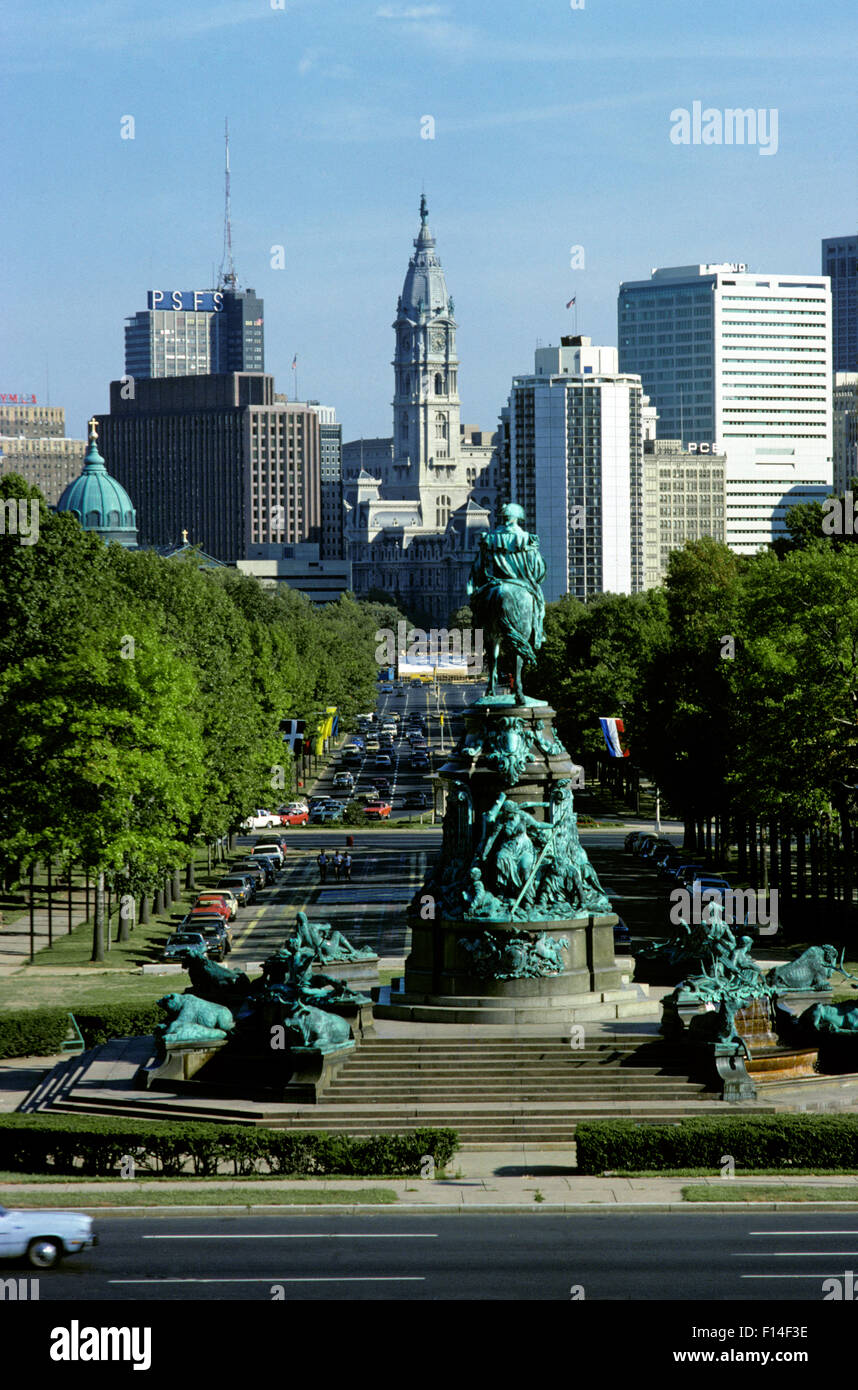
271, 849
688, 872
415, 801
653, 851
213, 931
218, 907
378, 810
266, 862
43, 1238
295, 817
217, 939
261, 820
293, 808
181, 944
643, 844
631, 839
242, 887
711, 886
224, 896
263, 875
332, 811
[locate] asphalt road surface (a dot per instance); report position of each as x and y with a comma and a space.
638, 1258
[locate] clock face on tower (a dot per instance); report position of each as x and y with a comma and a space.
438, 340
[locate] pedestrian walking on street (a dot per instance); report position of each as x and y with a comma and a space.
347, 866
322, 861
338, 864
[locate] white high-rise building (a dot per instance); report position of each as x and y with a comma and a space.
739, 363
575, 464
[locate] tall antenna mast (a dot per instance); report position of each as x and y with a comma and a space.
227, 277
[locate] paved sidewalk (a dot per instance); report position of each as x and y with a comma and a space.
509, 1186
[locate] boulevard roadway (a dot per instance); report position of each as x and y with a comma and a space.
641, 1258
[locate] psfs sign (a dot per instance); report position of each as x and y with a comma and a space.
199, 301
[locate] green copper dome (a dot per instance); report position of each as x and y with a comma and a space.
99, 502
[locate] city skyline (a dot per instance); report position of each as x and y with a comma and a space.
563, 190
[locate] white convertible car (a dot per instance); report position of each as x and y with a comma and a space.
44, 1237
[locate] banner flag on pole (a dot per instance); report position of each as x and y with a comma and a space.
612, 729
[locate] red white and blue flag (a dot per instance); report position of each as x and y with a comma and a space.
294, 361
571, 302
613, 730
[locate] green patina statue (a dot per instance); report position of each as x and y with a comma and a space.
508, 748
215, 982
326, 942
839, 1020
812, 970
506, 594
290, 972
192, 1020
515, 955
306, 1025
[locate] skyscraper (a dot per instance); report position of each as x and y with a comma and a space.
331, 473
33, 445
195, 333
575, 458
218, 456
739, 363
845, 430
840, 264
412, 522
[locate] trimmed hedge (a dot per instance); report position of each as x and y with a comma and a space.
95, 1146
40, 1032
753, 1141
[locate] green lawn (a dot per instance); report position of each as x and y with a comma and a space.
211, 1197
733, 1192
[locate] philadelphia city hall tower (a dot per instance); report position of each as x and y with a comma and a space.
417, 503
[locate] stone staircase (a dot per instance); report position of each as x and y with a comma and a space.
494, 1091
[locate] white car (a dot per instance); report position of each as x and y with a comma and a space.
44, 1237
269, 852
262, 820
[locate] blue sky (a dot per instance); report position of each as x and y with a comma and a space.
552, 129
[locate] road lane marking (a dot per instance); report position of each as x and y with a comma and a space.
290, 1279
804, 1233
313, 1235
788, 1254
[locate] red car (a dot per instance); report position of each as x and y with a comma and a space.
378, 810
215, 902
294, 818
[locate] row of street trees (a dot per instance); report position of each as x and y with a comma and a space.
141, 698
738, 686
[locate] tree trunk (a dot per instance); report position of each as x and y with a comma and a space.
144, 910
800, 867
177, 885
98, 920
775, 869
190, 880
753, 857
31, 875
814, 868
168, 891
50, 905
742, 848
126, 916
208, 857
71, 899
159, 900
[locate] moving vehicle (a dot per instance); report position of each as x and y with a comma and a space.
261, 820
332, 811
383, 763
419, 762
378, 810
372, 744
383, 786
415, 801
43, 1238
